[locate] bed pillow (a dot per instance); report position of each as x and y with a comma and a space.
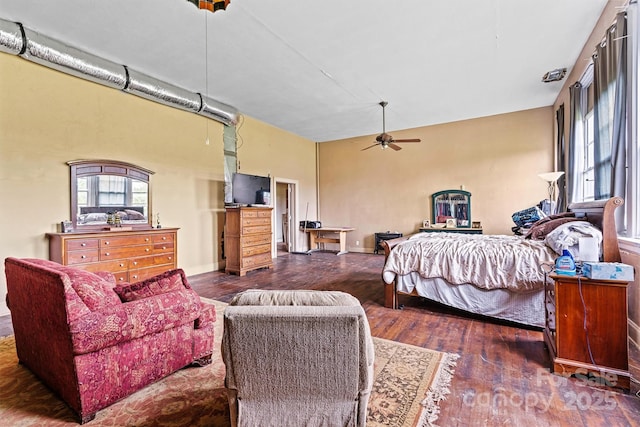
567, 236
133, 215
542, 228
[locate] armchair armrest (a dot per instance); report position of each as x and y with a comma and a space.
135, 319
207, 315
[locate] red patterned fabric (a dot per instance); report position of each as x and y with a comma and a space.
166, 282
73, 331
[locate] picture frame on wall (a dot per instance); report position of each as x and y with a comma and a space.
426, 223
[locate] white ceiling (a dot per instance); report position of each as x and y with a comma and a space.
319, 69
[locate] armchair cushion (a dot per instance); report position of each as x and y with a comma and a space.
298, 297
172, 280
131, 320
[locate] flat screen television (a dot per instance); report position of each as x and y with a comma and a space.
251, 189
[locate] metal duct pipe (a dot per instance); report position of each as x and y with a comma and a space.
51, 53
11, 37
218, 111
38, 48
156, 90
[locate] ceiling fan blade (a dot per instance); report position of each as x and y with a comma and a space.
407, 140
394, 146
371, 146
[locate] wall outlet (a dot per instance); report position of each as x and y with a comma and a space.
357, 242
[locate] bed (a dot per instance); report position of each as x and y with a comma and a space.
498, 276
91, 215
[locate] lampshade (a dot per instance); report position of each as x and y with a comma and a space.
551, 176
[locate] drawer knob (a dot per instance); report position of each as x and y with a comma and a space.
169, 258
135, 262
135, 276
83, 244
146, 250
164, 238
107, 254
121, 279
106, 243
83, 256
121, 265
146, 239
164, 247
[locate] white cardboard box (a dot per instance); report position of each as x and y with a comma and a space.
607, 271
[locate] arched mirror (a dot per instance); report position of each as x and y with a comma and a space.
103, 190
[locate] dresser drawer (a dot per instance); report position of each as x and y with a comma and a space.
111, 266
149, 261
256, 229
145, 273
118, 241
162, 247
82, 257
163, 238
248, 251
115, 252
81, 244
256, 260
256, 213
256, 239
247, 222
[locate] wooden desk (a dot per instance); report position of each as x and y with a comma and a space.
319, 235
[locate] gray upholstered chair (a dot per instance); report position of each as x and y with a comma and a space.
297, 358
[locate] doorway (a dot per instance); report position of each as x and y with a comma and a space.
284, 235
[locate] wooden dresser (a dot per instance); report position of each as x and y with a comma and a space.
586, 329
130, 255
247, 239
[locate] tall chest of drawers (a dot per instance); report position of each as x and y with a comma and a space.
130, 255
247, 239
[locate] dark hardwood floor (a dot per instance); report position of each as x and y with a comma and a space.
502, 376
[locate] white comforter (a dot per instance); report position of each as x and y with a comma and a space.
487, 261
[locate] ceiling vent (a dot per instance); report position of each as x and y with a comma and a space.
554, 75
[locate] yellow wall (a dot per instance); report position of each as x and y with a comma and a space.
496, 158
48, 118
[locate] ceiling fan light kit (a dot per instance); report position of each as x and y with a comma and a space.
385, 140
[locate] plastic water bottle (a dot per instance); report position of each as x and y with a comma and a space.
565, 264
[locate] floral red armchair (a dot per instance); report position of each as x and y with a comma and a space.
93, 342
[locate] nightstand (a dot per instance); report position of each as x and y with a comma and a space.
384, 236
586, 329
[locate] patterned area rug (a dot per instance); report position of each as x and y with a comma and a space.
409, 384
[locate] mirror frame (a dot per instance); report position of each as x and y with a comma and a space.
82, 168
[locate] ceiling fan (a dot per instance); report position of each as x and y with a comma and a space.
385, 140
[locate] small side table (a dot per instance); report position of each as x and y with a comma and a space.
586, 328
384, 236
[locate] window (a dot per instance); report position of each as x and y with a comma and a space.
604, 149
112, 190
587, 159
